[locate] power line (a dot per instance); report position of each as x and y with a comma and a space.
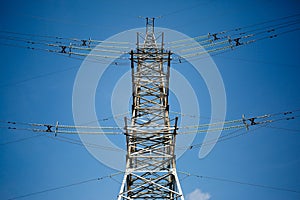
181, 10
64, 139
239, 123
224, 49
65, 186
222, 42
214, 43
285, 129
20, 140
114, 130
83, 41
219, 46
73, 50
269, 21
222, 138
232, 135
55, 72
58, 137
237, 31
59, 129
259, 61
37, 77
57, 52
233, 43
242, 183
79, 143
228, 136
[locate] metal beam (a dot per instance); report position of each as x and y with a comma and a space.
151, 164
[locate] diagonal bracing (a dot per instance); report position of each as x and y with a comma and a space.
150, 166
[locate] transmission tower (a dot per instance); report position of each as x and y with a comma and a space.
150, 163
150, 137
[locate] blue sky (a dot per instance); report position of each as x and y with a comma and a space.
259, 79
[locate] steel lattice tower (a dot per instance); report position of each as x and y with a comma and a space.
150, 163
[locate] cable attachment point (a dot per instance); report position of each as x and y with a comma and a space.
56, 129
70, 49
245, 122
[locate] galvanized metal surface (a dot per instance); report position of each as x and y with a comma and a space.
151, 167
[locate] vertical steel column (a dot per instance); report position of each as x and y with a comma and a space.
151, 163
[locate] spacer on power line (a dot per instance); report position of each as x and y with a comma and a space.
245, 122
56, 128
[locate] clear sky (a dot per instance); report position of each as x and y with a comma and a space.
260, 78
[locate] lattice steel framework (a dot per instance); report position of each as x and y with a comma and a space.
150, 166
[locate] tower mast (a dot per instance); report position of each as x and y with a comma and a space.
151, 162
